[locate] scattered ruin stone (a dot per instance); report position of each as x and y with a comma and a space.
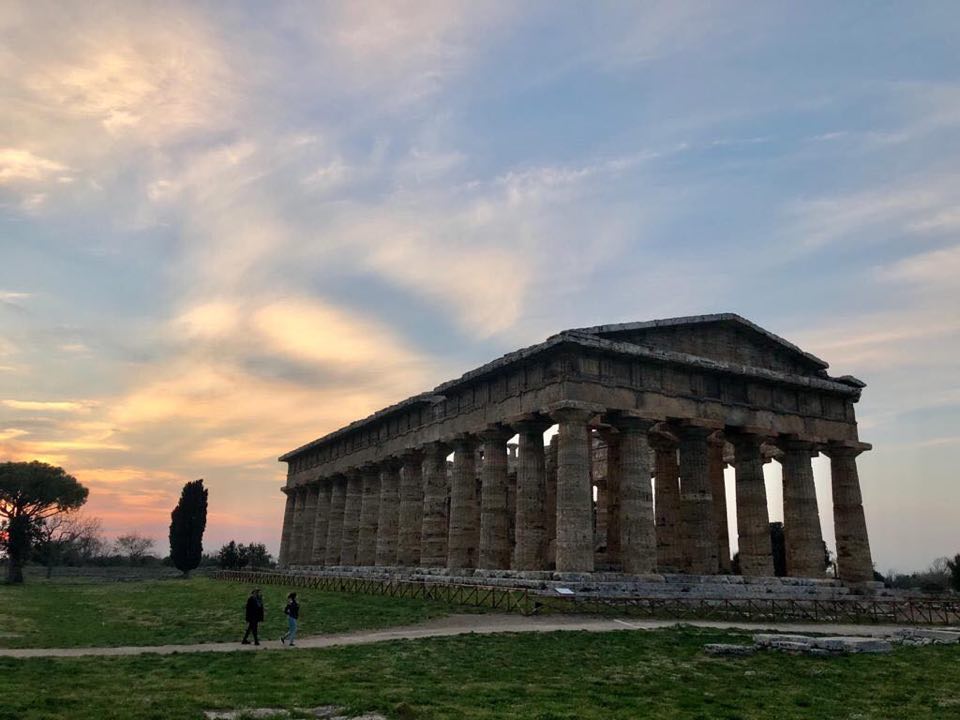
928, 636
835, 644
327, 712
729, 649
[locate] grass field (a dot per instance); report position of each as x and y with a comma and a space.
661, 674
75, 614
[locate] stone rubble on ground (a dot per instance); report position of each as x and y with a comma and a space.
729, 649
837, 644
325, 712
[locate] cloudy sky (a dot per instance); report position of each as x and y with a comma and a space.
228, 228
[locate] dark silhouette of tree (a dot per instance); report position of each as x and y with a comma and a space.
779, 548
31, 492
230, 556
68, 539
135, 547
187, 523
954, 567
257, 555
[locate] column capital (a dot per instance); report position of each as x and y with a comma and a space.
796, 443
495, 433
412, 456
692, 429
747, 435
574, 411
390, 464
844, 449
530, 423
663, 441
464, 442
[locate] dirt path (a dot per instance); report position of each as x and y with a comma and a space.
452, 625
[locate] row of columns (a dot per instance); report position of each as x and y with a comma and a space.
398, 513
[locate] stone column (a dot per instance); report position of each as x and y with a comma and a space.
550, 505
667, 493
351, 519
296, 538
698, 536
387, 530
319, 554
753, 519
464, 526
612, 492
433, 539
801, 517
494, 525
289, 511
638, 537
338, 498
574, 492
369, 516
854, 564
718, 488
531, 496
411, 509
309, 523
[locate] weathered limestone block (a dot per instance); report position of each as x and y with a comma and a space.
351, 519
319, 554
289, 511
854, 563
638, 538
698, 529
667, 505
309, 524
411, 509
753, 519
296, 537
338, 498
464, 536
718, 488
574, 491
433, 546
729, 649
388, 525
369, 516
801, 517
494, 526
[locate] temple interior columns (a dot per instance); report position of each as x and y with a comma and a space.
464, 518
338, 499
531, 495
753, 520
494, 550
667, 503
411, 509
698, 536
637, 528
574, 545
433, 546
369, 516
319, 553
801, 517
388, 523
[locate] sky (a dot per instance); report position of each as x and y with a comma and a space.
227, 229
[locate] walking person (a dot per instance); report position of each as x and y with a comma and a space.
292, 611
254, 616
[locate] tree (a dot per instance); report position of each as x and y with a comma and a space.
778, 546
31, 492
257, 555
134, 546
954, 567
187, 523
230, 556
68, 539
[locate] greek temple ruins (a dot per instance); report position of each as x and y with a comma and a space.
648, 414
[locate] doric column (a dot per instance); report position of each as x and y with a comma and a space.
574, 492
369, 516
801, 517
550, 505
638, 536
854, 564
667, 494
698, 536
387, 529
289, 510
309, 523
718, 488
433, 540
611, 510
494, 525
351, 518
753, 519
531, 496
464, 518
338, 498
319, 554
296, 538
411, 509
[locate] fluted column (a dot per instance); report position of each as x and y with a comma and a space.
698, 528
854, 563
613, 509
638, 537
801, 516
433, 540
309, 523
531, 496
369, 516
387, 530
667, 495
411, 509
338, 498
494, 551
574, 492
289, 511
319, 553
464, 518
753, 518
351, 519
550, 505
718, 488
296, 538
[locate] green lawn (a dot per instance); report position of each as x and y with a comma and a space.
662, 674
75, 614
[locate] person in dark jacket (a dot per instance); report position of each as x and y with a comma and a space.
254, 615
292, 611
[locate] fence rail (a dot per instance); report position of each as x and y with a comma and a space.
854, 610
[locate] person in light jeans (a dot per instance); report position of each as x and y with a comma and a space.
292, 611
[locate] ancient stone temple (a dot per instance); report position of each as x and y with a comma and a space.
648, 414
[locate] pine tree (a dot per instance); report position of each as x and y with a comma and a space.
187, 523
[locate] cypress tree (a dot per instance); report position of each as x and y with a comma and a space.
187, 523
